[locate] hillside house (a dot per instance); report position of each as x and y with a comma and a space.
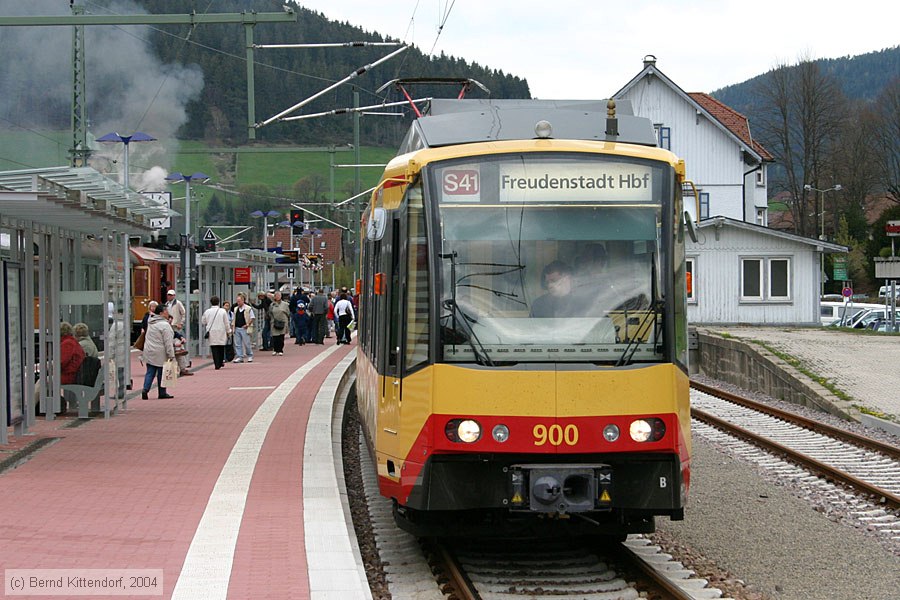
726, 164
742, 270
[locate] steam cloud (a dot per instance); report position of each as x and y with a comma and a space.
127, 88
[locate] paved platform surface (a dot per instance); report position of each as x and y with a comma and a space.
867, 367
207, 487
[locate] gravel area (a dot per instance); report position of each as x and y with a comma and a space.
359, 510
765, 542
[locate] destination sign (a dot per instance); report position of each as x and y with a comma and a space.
545, 181
575, 182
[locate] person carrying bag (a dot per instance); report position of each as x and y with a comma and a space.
169, 374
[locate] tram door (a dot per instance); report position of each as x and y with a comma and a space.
392, 352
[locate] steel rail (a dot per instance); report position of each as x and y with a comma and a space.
813, 425
810, 463
460, 586
667, 585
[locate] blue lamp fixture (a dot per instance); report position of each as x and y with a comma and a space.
137, 136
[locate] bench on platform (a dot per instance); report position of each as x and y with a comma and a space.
86, 395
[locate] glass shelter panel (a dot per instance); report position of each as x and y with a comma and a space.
550, 258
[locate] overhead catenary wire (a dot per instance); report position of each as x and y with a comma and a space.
329, 45
341, 111
441, 27
353, 75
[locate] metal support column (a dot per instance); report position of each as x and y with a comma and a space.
28, 325
106, 275
125, 342
251, 91
54, 389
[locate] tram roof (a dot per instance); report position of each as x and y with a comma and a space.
78, 199
449, 122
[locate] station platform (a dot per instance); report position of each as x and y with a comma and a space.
228, 490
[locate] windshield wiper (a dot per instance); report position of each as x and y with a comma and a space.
481, 355
634, 340
482, 358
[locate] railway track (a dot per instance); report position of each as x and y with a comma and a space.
495, 570
511, 569
867, 465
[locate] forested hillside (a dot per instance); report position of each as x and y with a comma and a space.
860, 77
286, 76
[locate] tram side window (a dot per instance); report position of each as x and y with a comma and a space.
417, 297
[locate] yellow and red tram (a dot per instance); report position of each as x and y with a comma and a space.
522, 359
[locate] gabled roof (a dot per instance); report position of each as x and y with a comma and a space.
737, 123
734, 124
827, 247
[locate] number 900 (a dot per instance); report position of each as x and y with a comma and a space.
555, 435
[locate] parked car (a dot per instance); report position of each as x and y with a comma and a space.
832, 312
869, 319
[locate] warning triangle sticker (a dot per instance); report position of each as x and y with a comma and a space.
605, 497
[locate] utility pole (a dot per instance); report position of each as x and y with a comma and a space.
79, 152
78, 19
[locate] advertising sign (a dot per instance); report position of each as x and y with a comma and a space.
892, 228
242, 274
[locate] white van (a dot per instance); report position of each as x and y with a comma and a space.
831, 312
883, 291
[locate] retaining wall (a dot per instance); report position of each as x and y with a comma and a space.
752, 367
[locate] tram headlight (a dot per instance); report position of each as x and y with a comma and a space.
647, 430
500, 433
543, 129
611, 432
463, 430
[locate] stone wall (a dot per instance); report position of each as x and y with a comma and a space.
752, 367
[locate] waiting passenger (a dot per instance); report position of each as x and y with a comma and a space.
71, 355
83, 335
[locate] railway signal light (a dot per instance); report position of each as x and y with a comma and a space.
297, 222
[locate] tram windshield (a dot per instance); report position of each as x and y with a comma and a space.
550, 258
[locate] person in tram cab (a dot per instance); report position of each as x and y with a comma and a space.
559, 300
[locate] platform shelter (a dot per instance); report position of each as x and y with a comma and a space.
64, 238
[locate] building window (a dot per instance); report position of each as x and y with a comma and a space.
704, 205
761, 217
322, 245
751, 279
663, 136
691, 279
765, 279
761, 176
779, 278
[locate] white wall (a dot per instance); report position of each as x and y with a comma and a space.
717, 279
713, 159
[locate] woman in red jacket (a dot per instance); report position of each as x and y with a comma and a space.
71, 355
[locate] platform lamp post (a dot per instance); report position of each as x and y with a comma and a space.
187, 243
810, 188
265, 217
137, 136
